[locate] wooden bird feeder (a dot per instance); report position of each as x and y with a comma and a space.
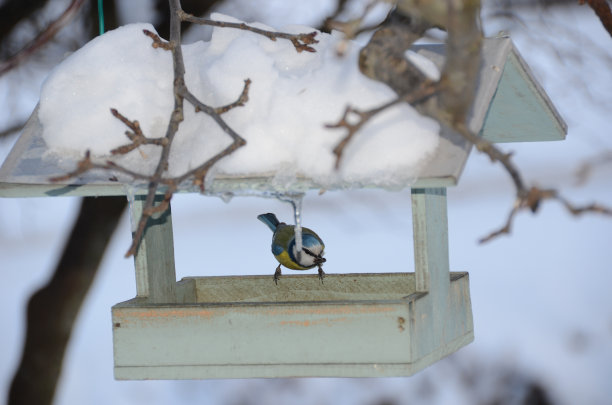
353, 325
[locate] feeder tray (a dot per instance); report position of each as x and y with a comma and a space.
353, 325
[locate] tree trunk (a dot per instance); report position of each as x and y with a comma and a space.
53, 309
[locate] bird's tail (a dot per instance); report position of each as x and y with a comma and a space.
270, 220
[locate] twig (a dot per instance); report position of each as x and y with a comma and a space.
383, 60
42, 38
136, 136
340, 6
244, 97
157, 41
176, 117
353, 28
83, 165
86, 164
425, 90
148, 211
506, 228
163, 206
301, 42
532, 201
110, 165
585, 170
579, 210
200, 172
12, 129
602, 9
496, 155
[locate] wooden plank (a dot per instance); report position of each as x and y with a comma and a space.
154, 259
26, 173
303, 288
186, 291
183, 372
28, 190
430, 229
354, 330
459, 321
494, 54
263, 334
509, 106
521, 111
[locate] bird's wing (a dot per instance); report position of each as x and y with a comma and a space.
276, 249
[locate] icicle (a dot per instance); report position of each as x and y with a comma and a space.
297, 214
295, 199
226, 196
130, 193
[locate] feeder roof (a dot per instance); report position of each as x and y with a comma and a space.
510, 106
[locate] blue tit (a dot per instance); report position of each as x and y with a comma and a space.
284, 249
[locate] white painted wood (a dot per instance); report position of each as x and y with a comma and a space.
510, 106
430, 229
520, 110
154, 259
353, 325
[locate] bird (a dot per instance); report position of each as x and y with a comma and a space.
284, 249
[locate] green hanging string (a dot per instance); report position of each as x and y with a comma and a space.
101, 16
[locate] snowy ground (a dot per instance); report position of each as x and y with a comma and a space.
541, 301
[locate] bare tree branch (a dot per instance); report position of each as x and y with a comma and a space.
417, 95
83, 166
157, 41
244, 97
340, 6
199, 173
181, 94
507, 226
195, 7
176, 118
533, 199
43, 37
383, 59
496, 155
11, 130
13, 12
136, 136
351, 28
301, 42
602, 9
586, 168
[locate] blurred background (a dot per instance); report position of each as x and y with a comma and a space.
541, 295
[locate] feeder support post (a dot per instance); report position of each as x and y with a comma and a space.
430, 227
154, 258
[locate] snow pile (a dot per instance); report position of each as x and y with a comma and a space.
292, 96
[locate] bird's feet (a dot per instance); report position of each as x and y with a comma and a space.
318, 260
277, 274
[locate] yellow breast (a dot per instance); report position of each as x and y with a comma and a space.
284, 259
